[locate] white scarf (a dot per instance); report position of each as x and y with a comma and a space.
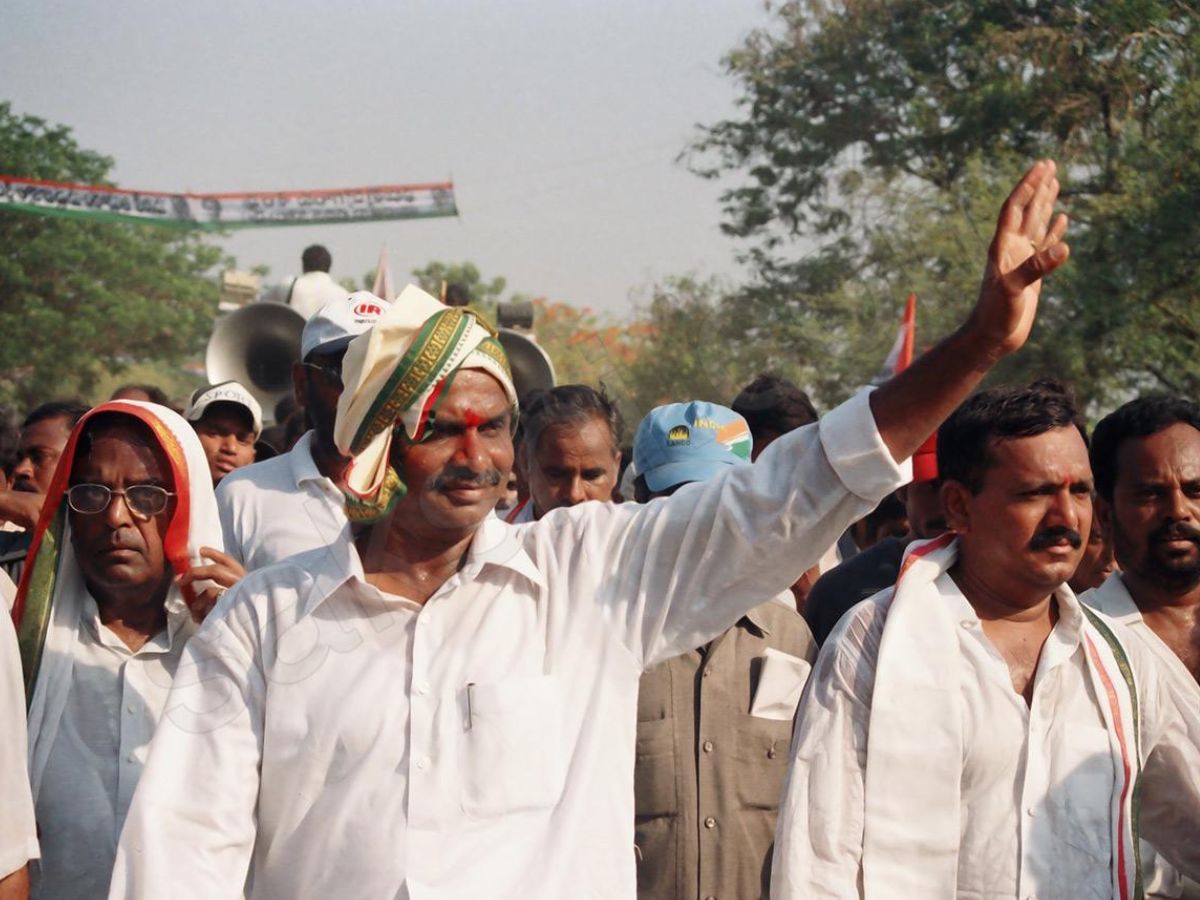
69, 593
916, 728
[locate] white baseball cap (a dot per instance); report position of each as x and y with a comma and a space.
225, 392
337, 323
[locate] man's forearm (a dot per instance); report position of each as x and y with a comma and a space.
910, 406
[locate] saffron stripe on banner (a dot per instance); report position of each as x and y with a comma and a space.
217, 212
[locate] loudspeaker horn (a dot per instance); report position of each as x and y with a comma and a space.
531, 368
256, 346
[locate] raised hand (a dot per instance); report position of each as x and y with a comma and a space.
225, 572
1026, 247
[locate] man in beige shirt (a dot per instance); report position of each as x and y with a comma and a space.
713, 723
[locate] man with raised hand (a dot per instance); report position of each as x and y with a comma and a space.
445, 706
975, 731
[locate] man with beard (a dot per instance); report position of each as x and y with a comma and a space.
1146, 457
975, 731
444, 706
293, 502
570, 450
44, 434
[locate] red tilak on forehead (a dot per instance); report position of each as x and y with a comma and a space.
473, 419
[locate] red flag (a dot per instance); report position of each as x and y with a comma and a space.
900, 356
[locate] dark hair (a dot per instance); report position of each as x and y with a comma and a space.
71, 410
570, 403
10, 438
156, 394
315, 259
1136, 419
1003, 413
774, 405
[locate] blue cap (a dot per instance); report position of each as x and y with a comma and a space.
683, 442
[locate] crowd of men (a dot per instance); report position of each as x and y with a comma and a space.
449, 642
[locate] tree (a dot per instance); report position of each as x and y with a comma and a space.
880, 131
79, 298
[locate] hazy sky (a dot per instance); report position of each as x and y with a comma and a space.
558, 121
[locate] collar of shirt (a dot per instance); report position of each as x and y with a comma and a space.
178, 616
1064, 639
757, 621
495, 544
304, 466
1114, 600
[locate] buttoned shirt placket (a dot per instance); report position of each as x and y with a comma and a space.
1034, 777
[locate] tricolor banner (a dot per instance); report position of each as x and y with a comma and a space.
216, 212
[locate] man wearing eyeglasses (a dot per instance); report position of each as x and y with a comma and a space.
126, 560
293, 502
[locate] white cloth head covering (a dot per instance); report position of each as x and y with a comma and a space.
395, 375
65, 579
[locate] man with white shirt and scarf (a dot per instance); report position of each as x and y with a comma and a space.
127, 539
975, 731
1146, 458
445, 706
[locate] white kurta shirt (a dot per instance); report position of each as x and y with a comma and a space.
279, 507
333, 741
1113, 599
115, 700
312, 290
18, 835
1036, 781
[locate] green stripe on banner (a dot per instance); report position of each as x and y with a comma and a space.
223, 212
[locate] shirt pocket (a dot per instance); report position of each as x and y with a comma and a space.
512, 757
1084, 790
762, 753
654, 770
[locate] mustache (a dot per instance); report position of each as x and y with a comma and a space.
1176, 531
1048, 536
461, 476
26, 487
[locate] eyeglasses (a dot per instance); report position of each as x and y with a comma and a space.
145, 500
332, 372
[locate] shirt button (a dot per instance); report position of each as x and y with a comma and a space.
706, 673
771, 754
129, 708
1029, 811
708, 746
423, 762
710, 822
131, 758
966, 623
423, 688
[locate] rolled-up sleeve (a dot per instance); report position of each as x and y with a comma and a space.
679, 571
819, 832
